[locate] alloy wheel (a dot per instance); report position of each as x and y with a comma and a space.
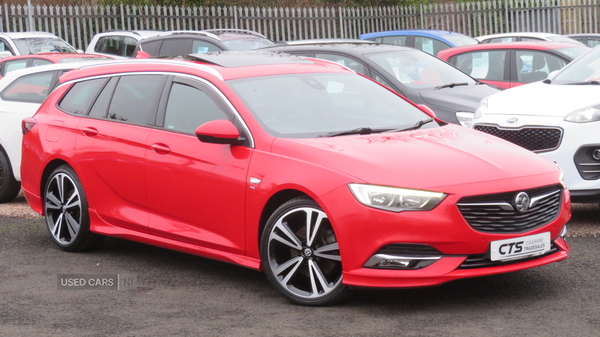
63, 209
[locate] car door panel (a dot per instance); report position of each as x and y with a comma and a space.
196, 190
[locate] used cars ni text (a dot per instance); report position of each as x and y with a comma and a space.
320, 177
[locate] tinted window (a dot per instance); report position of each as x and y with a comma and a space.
129, 44
399, 40
484, 65
199, 46
343, 60
32, 88
81, 95
108, 45
101, 105
135, 99
174, 47
428, 45
151, 47
533, 66
189, 107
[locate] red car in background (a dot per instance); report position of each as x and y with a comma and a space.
25, 61
301, 168
510, 64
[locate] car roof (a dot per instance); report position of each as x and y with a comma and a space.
347, 48
234, 32
54, 56
532, 34
223, 65
424, 32
537, 45
322, 41
140, 34
24, 35
192, 35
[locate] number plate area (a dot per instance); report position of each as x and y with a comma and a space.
520, 248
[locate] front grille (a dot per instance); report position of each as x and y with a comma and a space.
483, 260
409, 249
532, 138
497, 213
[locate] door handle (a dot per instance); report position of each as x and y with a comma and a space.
89, 131
160, 148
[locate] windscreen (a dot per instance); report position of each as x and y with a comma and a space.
319, 104
416, 69
43, 45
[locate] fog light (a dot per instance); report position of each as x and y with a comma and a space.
596, 154
385, 261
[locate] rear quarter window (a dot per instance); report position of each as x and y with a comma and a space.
80, 97
33, 88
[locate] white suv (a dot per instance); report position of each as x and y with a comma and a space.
559, 118
118, 43
32, 43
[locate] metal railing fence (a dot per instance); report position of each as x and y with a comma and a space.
77, 24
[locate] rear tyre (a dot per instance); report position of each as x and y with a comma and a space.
9, 186
66, 212
300, 254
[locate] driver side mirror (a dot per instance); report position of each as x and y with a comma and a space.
427, 110
219, 131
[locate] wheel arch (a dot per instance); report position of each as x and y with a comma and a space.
50, 167
276, 200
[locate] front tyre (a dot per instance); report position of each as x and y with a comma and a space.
300, 254
9, 186
66, 212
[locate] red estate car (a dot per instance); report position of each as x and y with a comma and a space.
510, 64
320, 177
25, 61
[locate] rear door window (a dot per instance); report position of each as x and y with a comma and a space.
429, 45
135, 99
398, 39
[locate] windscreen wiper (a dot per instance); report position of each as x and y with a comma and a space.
585, 83
414, 127
450, 85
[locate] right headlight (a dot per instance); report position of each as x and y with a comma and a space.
396, 199
481, 109
585, 115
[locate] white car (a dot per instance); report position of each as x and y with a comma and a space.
118, 43
559, 118
524, 36
21, 93
12, 44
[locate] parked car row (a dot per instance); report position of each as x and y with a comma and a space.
328, 165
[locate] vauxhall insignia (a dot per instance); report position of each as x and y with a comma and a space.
522, 202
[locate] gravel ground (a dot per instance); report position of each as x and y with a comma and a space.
585, 221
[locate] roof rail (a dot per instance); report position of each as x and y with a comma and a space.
196, 32
233, 30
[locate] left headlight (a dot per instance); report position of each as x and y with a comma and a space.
396, 199
585, 115
481, 109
